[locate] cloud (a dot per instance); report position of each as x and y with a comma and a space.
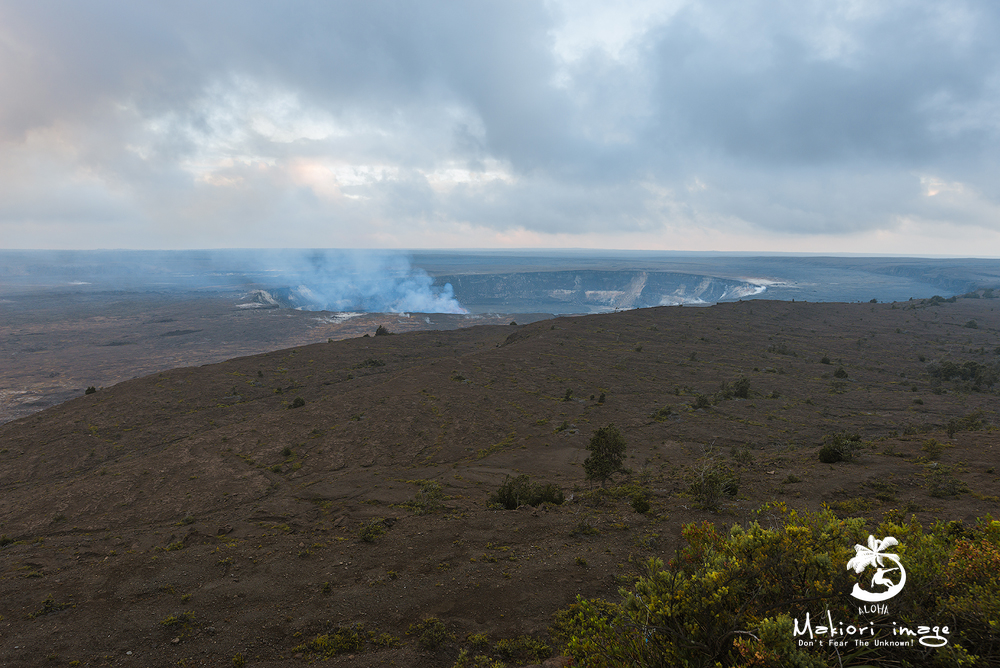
389, 124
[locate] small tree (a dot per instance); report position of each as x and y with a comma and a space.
607, 451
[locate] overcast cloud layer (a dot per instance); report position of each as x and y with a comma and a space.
864, 126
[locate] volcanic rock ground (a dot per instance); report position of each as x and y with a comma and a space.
193, 515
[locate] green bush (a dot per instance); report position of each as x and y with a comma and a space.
428, 498
369, 531
711, 482
702, 401
840, 373
640, 503
431, 633
607, 452
369, 363
299, 402
523, 648
340, 641
829, 454
520, 491
840, 447
739, 388
729, 598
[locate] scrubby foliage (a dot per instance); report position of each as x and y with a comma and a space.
428, 499
522, 648
840, 447
737, 389
711, 482
340, 640
607, 452
369, 531
976, 373
431, 633
729, 599
520, 491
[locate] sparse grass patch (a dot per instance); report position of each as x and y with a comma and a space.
584, 528
522, 649
49, 606
518, 491
369, 531
663, 414
859, 505
431, 633
428, 498
340, 641
710, 482
942, 483
840, 447
933, 448
185, 618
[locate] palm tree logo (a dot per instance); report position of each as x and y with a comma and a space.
873, 556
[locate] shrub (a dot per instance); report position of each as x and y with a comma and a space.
523, 648
583, 528
299, 402
840, 373
369, 531
942, 483
829, 454
341, 640
382, 331
520, 491
431, 633
90, 390
49, 606
701, 401
825, 359
663, 414
841, 446
972, 324
933, 448
182, 619
712, 482
640, 503
428, 498
739, 388
607, 452
729, 598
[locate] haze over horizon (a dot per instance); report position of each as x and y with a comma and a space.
815, 127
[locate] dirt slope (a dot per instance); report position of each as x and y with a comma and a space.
194, 515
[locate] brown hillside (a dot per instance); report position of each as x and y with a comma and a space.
194, 515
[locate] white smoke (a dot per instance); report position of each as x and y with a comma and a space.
370, 281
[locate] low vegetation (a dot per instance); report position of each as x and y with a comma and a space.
520, 491
733, 598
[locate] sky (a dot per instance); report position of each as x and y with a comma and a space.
857, 126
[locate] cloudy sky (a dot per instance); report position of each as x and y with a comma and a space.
812, 126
